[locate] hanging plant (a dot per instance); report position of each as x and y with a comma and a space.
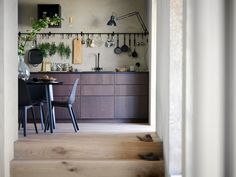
52, 49
67, 52
44, 48
37, 26
61, 49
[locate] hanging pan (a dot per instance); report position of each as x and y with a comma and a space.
117, 50
35, 56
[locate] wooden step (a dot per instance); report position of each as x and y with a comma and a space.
89, 136
88, 168
84, 149
85, 146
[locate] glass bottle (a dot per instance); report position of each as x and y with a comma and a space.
23, 69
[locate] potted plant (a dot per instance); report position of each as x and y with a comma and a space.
37, 26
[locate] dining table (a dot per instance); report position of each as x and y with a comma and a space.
49, 98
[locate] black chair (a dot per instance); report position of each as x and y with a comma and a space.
68, 104
25, 103
38, 97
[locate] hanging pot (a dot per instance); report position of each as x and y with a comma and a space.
35, 56
134, 53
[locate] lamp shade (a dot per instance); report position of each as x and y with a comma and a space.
112, 22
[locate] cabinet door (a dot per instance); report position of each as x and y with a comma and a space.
97, 107
131, 107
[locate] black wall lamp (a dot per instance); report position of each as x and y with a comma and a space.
112, 21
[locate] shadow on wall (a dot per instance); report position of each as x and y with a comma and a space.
26, 10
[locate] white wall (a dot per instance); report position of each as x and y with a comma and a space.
204, 114
230, 82
92, 16
8, 86
169, 82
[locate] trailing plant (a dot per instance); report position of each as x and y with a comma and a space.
67, 52
61, 49
44, 48
37, 26
52, 49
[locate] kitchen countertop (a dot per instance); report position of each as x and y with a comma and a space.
88, 72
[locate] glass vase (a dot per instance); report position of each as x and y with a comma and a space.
23, 69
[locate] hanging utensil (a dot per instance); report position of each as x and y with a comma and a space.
98, 40
124, 48
92, 44
129, 49
108, 42
134, 53
83, 40
117, 50
35, 56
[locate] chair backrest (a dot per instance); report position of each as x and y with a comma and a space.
23, 94
37, 93
71, 98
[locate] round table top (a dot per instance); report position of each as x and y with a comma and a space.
43, 82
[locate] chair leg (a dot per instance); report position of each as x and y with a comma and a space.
25, 120
41, 115
76, 123
72, 118
35, 126
20, 118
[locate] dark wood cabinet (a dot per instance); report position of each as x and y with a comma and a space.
131, 107
104, 96
97, 107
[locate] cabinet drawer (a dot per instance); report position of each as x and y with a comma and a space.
131, 107
97, 90
131, 90
97, 79
64, 90
97, 107
135, 78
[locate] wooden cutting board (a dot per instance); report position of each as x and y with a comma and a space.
77, 52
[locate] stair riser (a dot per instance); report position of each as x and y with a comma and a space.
87, 168
84, 151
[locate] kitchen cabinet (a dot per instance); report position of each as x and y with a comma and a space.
104, 96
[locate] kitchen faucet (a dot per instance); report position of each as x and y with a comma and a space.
97, 60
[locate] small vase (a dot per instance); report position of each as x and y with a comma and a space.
23, 69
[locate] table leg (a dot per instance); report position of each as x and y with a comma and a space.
50, 121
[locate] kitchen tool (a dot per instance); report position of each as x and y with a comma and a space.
35, 56
134, 53
117, 50
88, 41
77, 57
124, 48
98, 40
108, 42
83, 40
129, 49
92, 44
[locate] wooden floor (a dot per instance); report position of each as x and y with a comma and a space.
97, 150
110, 128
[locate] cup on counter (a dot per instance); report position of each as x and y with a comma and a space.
131, 68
